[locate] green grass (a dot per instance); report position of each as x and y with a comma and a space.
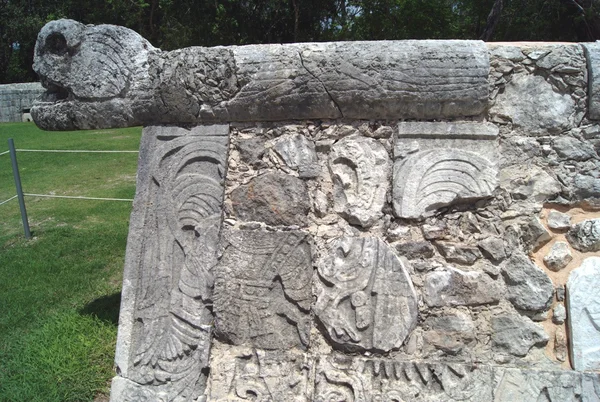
59, 292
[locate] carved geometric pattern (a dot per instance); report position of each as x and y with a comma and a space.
365, 297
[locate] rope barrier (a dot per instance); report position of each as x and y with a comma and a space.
77, 197
4, 153
10, 199
76, 151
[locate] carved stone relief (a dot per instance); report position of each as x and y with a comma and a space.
262, 289
166, 324
360, 168
439, 164
365, 297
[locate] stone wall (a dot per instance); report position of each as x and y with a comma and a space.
385, 221
15, 99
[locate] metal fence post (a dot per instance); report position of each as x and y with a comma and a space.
15, 168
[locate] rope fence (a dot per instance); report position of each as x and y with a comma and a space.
20, 194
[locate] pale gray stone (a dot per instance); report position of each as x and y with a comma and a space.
585, 236
109, 76
561, 348
558, 257
528, 287
508, 52
360, 168
251, 150
452, 287
592, 54
437, 231
542, 111
590, 384
262, 290
558, 220
451, 332
238, 373
516, 334
299, 154
365, 296
559, 314
493, 248
273, 198
560, 292
565, 58
415, 249
532, 183
459, 253
584, 314
534, 234
573, 149
517, 384
586, 188
165, 323
385, 379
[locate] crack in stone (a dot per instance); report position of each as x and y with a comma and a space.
324, 86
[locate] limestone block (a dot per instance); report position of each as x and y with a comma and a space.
360, 168
416, 249
513, 384
528, 287
238, 373
251, 150
558, 257
558, 221
299, 154
273, 198
516, 334
365, 296
459, 253
559, 314
451, 332
532, 183
592, 54
585, 236
440, 164
534, 234
590, 385
165, 323
584, 314
338, 379
453, 287
109, 76
493, 248
262, 290
571, 148
543, 111
561, 349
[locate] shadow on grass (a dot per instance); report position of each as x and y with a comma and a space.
106, 308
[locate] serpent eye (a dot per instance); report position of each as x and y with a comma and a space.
57, 44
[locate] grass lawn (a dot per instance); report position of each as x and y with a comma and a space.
59, 292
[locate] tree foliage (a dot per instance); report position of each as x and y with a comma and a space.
171, 24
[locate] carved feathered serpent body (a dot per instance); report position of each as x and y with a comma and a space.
109, 76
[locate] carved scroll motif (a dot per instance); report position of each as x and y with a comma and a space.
263, 289
365, 298
182, 200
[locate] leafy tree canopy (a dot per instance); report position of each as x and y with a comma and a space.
171, 24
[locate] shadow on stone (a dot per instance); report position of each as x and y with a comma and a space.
105, 308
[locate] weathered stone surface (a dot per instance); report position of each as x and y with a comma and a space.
299, 154
443, 165
542, 111
558, 257
534, 234
251, 150
240, 373
561, 350
452, 287
590, 384
337, 379
573, 149
586, 188
165, 323
559, 314
459, 253
592, 54
528, 287
262, 289
493, 248
451, 332
516, 334
272, 198
585, 236
108, 76
584, 314
415, 249
365, 297
360, 168
513, 384
558, 221
532, 183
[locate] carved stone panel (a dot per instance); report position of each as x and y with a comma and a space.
513, 384
165, 322
262, 289
360, 168
350, 379
440, 164
249, 374
365, 297
584, 314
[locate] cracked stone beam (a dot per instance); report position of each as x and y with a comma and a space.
108, 76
